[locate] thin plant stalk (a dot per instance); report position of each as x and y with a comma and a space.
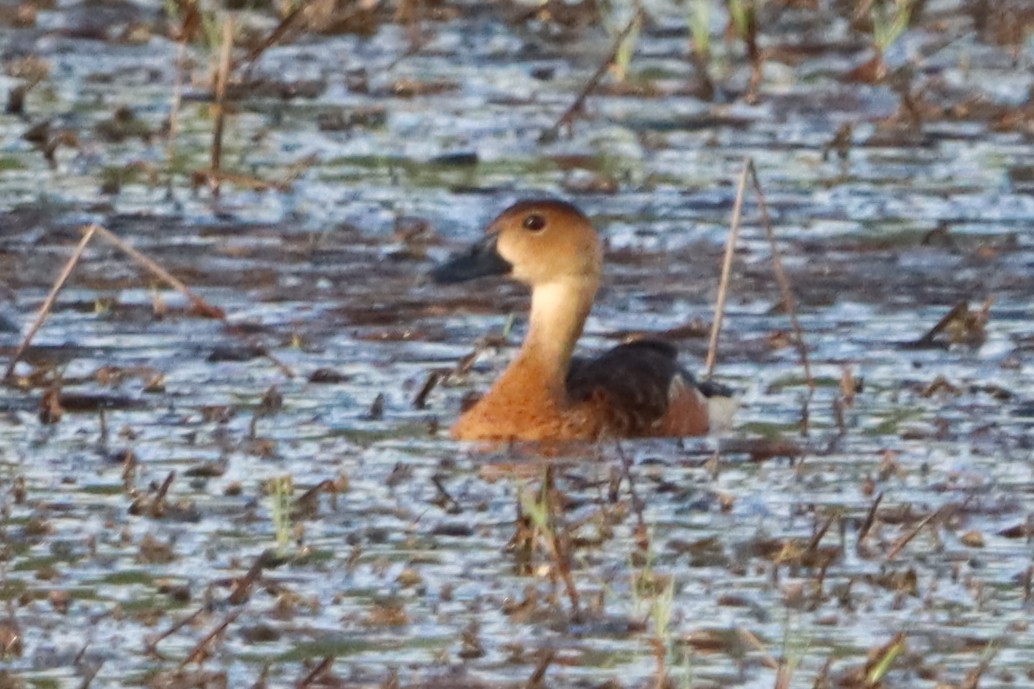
196, 302
579, 102
625, 50
904, 540
789, 303
723, 283
699, 27
222, 76
151, 643
48, 303
661, 615
198, 305
699, 18
198, 653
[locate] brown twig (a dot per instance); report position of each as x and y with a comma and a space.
152, 644
870, 519
559, 545
750, 42
637, 505
813, 544
278, 32
197, 304
560, 549
454, 507
907, 538
48, 303
214, 178
294, 171
723, 283
432, 380
972, 677
789, 303
242, 586
956, 313
545, 660
579, 102
196, 654
316, 672
157, 506
281, 366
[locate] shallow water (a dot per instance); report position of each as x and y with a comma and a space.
407, 563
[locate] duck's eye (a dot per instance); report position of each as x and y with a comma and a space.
534, 222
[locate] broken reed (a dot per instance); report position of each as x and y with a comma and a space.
197, 305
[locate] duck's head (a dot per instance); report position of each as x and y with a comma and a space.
536, 242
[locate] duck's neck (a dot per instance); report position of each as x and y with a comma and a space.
558, 313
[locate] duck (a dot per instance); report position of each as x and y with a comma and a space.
547, 393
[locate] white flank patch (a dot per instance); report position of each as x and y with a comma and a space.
720, 412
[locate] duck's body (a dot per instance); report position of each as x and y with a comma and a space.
634, 390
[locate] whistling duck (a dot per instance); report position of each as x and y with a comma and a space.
636, 389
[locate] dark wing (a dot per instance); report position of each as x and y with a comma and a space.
631, 384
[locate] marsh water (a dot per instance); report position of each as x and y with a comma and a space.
271, 499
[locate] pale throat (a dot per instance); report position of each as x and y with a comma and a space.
558, 313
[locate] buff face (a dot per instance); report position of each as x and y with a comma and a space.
532, 242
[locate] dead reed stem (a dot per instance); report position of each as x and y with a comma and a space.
296, 15
545, 660
870, 519
641, 530
723, 283
789, 303
957, 312
151, 644
321, 669
48, 303
198, 654
900, 544
242, 586
559, 544
579, 102
559, 547
157, 507
198, 304
222, 76
786, 291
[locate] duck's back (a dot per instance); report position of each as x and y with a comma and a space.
638, 389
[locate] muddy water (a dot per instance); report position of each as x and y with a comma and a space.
132, 519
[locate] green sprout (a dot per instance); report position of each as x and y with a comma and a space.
739, 15
699, 17
888, 25
626, 48
624, 33
280, 492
